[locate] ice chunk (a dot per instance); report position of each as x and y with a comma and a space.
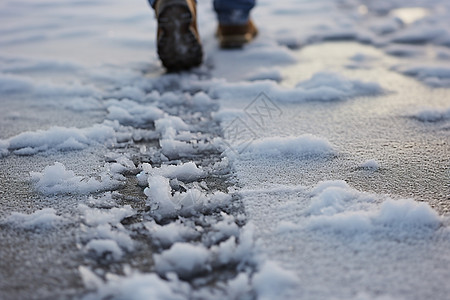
104, 248
184, 171
171, 233
164, 204
169, 125
131, 113
184, 259
232, 251
159, 192
106, 231
95, 216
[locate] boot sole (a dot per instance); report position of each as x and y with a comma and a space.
235, 41
178, 46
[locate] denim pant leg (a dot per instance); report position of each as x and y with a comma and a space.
230, 11
233, 12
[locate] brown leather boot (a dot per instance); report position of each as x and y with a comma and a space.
236, 36
178, 42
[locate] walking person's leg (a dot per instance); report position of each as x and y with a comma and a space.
235, 25
178, 41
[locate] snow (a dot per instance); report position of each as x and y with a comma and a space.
41, 219
184, 259
129, 112
107, 232
332, 194
432, 114
273, 282
332, 219
28, 66
169, 234
266, 74
56, 179
404, 50
169, 125
95, 217
184, 172
322, 86
137, 287
105, 247
59, 139
165, 204
14, 84
370, 164
330, 86
402, 218
18, 84
435, 76
302, 146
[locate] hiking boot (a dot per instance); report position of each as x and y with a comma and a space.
178, 42
236, 36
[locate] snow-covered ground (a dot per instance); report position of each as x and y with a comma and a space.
312, 164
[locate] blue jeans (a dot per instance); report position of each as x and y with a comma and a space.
230, 12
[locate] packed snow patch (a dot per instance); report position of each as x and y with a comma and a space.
341, 209
432, 114
59, 139
331, 86
56, 179
41, 219
322, 86
266, 74
370, 164
303, 146
10, 84
17, 84
434, 76
41, 66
